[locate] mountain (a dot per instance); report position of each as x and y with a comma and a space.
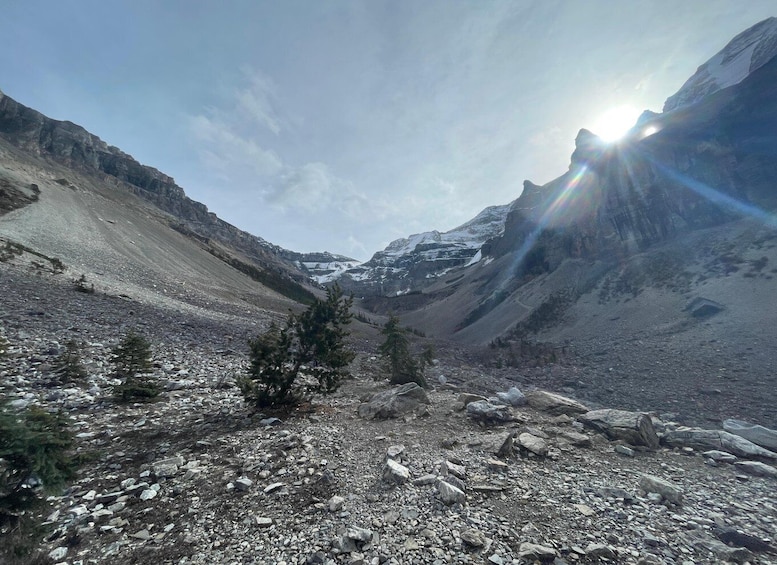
410, 264
323, 267
66, 193
653, 258
748, 51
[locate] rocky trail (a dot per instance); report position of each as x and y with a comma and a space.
197, 477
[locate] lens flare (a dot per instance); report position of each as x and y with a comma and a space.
615, 123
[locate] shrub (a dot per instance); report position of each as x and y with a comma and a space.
80, 284
402, 366
34, 457
67, 366
311, 345
131, 359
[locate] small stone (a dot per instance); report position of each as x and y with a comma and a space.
473, 537
450, 494
533, 551
757, 469
263, 522
141, 535
719, 456
599, 551
667, 490
148, 494
513, 397
534, 444
496, 465
395, 451
584, 509
394, 472
274, 487
448, 468
356, 533
425, 480
243, 484
336, 503
270, 422
58, 554
624, 450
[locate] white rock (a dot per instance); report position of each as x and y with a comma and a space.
394, 472
449, 494
148, 494
58, 553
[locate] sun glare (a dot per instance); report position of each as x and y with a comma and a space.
615, 123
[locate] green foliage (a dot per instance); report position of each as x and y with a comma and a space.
131, 359
67, 365
34, 452
402, 366
311, 344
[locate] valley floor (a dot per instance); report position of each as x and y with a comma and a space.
198, 478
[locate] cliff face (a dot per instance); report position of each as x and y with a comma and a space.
695, 168
74, 147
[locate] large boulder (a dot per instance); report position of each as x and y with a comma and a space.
404, 399
554, 404
716, 439
759, 435
635, 428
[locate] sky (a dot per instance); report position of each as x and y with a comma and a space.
342, 125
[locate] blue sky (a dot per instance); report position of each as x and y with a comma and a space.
343, 125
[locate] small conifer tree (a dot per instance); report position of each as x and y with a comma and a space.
402, 366
131, 360
312, 343
67, 366
34, 457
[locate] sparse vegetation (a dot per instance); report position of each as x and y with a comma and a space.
270, 278
82, 285
310, 347
11, 249
547, 314
403, 367
132, 361
68, 366
34, 457
522, 353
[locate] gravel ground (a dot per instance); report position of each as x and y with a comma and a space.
199, 478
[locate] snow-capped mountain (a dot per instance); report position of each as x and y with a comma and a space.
747, 52
409, 264
323, 267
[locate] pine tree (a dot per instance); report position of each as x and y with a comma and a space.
311, 344
67, 366
34, 452
402, 366
131, 359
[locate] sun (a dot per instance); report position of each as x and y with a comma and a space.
615, 123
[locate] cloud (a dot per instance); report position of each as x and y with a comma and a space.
225, 152
256, 100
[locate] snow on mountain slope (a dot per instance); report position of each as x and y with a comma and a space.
408, 264
747, 52
471, 235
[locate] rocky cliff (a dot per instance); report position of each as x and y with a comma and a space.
71, 145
